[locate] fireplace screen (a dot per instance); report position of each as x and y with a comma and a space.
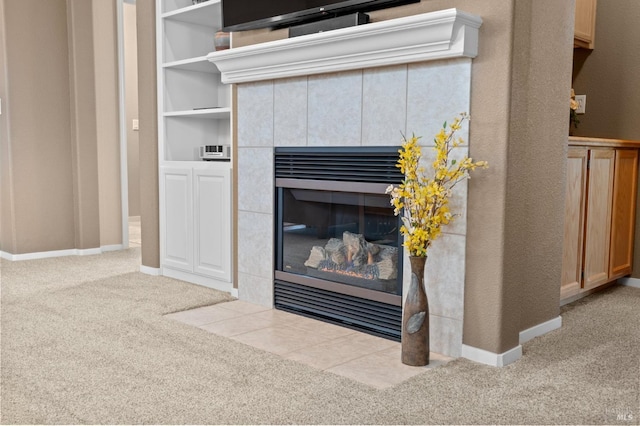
344, 237
337, 249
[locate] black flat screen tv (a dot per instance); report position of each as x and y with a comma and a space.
241, 15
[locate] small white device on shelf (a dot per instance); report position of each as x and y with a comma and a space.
215, 152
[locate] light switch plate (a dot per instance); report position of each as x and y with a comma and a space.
582, 104
136, 125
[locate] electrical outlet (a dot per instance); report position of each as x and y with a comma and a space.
582, 104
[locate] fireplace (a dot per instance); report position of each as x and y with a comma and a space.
338, 253
334, 91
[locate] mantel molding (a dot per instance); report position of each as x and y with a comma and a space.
444, 34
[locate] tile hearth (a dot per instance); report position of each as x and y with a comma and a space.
367, 359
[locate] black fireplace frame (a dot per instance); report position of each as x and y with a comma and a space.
366, 170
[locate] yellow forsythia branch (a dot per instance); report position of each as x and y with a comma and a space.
423, 201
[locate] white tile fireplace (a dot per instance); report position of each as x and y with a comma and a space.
360, 87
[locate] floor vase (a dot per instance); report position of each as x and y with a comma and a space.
415, 318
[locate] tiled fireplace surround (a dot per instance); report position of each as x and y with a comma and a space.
357, 107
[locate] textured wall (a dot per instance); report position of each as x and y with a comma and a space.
6, 217
62, 186
38, 105
107, 121
148, 137
131, 106
84, 143
537, 150
609, 77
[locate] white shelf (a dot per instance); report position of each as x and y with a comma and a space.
197, 64
215, 113
186, 90
207, 13
198, 164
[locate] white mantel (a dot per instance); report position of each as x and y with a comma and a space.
444, 34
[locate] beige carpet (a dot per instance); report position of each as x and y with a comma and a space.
84, 341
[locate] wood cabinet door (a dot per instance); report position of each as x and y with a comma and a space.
585, 23
625, 186
598, 217
574, 209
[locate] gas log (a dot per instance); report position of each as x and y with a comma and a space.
353, 255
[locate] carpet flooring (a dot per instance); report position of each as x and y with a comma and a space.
83, 341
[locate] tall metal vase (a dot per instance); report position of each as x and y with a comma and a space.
415, 318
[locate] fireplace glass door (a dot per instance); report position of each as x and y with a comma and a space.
344, 237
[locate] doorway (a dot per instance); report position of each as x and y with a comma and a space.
129, 123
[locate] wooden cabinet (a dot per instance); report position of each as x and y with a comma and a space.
585, 24
600, 211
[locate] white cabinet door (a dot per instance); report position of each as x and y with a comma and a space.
212, 223
176, 185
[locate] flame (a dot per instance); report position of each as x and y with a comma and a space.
348, 272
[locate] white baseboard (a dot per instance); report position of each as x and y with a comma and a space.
630, 282
6, 256
112, 247
42, 254
60, 253
540, 329
490, 358
512, 355
89, 252
149, 270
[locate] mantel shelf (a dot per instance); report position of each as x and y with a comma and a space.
216, 113
444, 34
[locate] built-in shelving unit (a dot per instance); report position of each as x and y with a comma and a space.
194, 109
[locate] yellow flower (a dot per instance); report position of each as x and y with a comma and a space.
423, 201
